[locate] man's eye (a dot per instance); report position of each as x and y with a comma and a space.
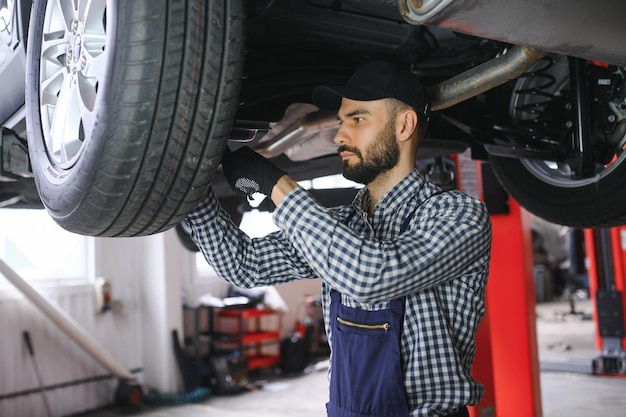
358, 119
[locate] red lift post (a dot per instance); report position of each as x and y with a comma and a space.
607, 286
507, 359
511, 302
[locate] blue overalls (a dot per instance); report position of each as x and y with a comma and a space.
366, 374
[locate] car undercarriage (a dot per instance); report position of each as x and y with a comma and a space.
129, 105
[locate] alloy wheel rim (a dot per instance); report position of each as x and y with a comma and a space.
73, 67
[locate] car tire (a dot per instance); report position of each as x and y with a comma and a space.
129, 106
595, 202
549, 189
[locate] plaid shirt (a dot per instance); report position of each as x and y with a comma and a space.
440, 264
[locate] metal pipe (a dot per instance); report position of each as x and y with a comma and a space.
300, 122
33, 362
65, 323
483, 77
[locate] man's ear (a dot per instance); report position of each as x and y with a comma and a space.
406, 124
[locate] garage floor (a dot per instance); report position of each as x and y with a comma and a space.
566, 345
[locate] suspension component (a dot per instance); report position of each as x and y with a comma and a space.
539, 93
583, 163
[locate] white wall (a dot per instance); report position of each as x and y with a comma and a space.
164, 270
147, 275
59, 359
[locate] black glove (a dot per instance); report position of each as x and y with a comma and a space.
247, 172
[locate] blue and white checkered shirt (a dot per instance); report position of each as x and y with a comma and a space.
440, 264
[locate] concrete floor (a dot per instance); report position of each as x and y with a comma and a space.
566, 345
565, 341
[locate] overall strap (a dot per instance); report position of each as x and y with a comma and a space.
405, 223
397, 304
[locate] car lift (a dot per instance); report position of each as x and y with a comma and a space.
507, 358
607, 279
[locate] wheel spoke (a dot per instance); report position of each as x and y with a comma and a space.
91, 12
94, 39
87, 96
82, 7
94, 44
66, 133
51, 86
88, 122
87, 92
59, 16
73, 63
96, 68
52, 57
57, 122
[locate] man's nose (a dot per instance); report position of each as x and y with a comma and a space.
341, 138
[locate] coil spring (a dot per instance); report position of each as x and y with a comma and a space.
536, 96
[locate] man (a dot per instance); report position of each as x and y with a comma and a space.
403, 269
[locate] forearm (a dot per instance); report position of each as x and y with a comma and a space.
237, 258
284, 185
219, 244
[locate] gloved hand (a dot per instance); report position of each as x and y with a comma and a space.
247, 172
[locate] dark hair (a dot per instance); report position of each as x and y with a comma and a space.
395, 106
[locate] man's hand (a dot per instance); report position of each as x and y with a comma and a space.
247, 172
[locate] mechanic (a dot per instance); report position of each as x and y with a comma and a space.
403, 268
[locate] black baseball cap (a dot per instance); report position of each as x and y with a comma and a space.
374, 81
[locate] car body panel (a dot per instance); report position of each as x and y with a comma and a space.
591, 30
12, 59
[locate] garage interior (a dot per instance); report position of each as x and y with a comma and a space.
186, 343
134, 323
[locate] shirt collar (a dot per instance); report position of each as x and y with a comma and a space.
410, 186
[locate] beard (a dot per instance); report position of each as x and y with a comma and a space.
381, 155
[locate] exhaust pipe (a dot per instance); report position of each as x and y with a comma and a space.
305, 123
301, 123
484, 77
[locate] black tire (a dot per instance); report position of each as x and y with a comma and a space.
158, 102
597, 202
548, 189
